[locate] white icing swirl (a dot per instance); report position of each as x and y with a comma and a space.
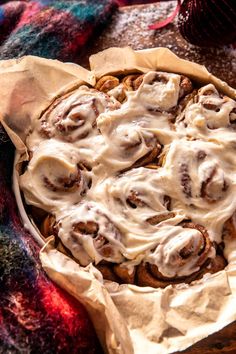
158, 91
53, 178
178, 254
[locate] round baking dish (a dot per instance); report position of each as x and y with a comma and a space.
58, 266
28, 224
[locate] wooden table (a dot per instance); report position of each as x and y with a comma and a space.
129, 27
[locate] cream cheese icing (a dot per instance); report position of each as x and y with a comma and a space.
87, 171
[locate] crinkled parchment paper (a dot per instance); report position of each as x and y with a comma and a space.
28, 85
128, 319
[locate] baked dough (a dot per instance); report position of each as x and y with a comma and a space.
137, 176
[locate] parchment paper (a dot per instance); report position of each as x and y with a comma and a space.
28, 85
128, 319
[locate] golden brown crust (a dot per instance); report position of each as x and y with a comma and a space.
107, 83
47, 227
145, 278
148, 276
186, 86
127, 277
107, 272
132, 82
215, 265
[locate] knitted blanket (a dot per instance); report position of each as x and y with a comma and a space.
53, 29
35, 315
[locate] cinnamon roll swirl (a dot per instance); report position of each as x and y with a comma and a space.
90, 235
184, 258
181, 256
73, 116
208, 109
173, 88
54, 177
137, 177
202, 177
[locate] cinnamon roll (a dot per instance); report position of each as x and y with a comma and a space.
201, 176
137, 177
132, 82
107, 83
116, 87
73, 116
181, 256
148, 275
173, 88
48, 226
162, 91
54, 176
209, 110
128, 141
189, 260
185, 262
90, 235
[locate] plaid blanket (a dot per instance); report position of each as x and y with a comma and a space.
50, 28
35, 315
